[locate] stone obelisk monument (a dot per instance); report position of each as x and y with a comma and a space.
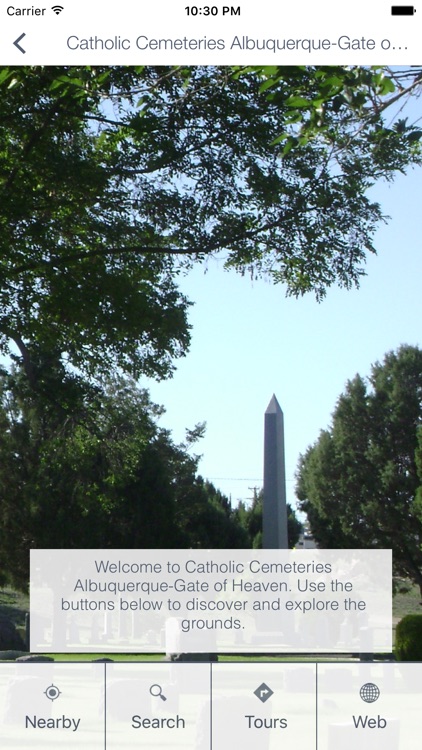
275, 507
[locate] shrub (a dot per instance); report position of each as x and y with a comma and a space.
11, 655
409, 638
9, 636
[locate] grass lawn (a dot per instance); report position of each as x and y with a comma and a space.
221, 658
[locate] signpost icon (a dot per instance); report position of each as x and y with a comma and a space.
263, 692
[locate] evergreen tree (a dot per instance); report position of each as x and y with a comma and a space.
359, 482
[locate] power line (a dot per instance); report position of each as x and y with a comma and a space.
240, 479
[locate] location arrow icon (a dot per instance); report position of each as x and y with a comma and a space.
16, 43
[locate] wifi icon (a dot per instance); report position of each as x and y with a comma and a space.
57, 9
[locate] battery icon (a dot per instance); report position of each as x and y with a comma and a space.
402, 10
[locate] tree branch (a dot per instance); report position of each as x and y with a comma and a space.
26, 359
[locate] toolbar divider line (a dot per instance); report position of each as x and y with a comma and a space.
316, 705
211, 705
105, 706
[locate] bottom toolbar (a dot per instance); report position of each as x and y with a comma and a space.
206, 706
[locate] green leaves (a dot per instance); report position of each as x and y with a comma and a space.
90, 467
298, 102
74, 274
250, 518
359, 481
114, 179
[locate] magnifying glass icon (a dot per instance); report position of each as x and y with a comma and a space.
157, 692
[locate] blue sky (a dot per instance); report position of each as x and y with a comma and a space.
249, 341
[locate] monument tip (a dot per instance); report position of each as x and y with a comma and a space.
273, 407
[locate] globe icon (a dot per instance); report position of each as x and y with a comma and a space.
369, 692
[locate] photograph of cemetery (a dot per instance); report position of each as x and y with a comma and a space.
210, 319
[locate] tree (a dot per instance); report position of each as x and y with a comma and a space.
358, 482
314, 97
91, 468
114, 179
250, 518
207, 518
418, 499
66, 217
